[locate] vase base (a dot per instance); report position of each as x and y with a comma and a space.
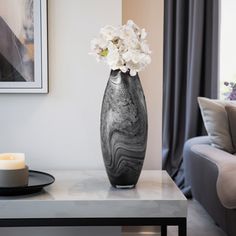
124, 186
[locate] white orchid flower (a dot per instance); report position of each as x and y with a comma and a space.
124, 48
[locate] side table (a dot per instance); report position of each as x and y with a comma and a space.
85, 198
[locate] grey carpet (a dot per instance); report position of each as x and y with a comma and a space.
199, 223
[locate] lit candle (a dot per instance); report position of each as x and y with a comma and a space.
12, 161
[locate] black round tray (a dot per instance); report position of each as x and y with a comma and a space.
37, 181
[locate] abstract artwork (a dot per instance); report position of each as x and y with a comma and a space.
23, 46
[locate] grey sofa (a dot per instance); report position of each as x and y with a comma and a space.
211, 173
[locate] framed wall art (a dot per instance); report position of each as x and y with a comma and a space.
23, 46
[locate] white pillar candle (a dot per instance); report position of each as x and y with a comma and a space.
12, 161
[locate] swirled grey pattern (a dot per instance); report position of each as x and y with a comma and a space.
123, 128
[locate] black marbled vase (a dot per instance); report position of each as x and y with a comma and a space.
123, 129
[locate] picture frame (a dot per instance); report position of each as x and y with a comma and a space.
23, 46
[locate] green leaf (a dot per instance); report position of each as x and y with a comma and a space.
104, 52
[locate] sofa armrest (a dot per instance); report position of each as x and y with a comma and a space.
187, 154
197, 140
226, 164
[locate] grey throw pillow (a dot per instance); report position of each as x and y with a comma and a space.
231, 111
216, 123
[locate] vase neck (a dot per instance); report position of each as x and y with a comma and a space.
117, 76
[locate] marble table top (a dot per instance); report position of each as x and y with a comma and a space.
85, 194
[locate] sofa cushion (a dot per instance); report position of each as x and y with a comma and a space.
231, 112
216, 123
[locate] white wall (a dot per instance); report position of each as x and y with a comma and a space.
61, 129
148, 14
